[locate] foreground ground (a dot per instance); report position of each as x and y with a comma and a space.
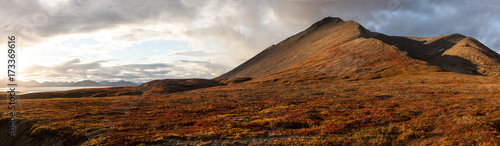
437, 108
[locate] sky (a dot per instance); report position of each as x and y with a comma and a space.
143, 40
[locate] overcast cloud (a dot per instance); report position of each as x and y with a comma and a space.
219, 34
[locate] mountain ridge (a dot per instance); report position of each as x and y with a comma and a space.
333, 36
33, 83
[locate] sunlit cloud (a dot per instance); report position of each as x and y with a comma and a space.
118, 40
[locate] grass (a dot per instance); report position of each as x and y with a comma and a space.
428, 109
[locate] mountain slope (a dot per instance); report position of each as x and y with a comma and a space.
345, 49
455, 53
295, 49
363, 58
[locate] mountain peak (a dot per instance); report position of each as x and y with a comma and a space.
457, 35
327, 20
331, 19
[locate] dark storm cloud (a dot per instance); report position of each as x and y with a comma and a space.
35, 20
398, 17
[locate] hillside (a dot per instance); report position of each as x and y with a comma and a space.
437, 108
345, 49
174, 85
456, 53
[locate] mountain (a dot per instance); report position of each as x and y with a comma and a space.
80, 83
87, 83
455, 53
335, 48
119, 83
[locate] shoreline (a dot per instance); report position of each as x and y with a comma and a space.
34, 89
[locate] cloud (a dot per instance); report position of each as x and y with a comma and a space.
209, 20
222, 33
75, 70
192, 53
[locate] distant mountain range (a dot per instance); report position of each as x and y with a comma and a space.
72, 84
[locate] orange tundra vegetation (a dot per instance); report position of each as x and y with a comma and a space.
438, 108
314, 88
